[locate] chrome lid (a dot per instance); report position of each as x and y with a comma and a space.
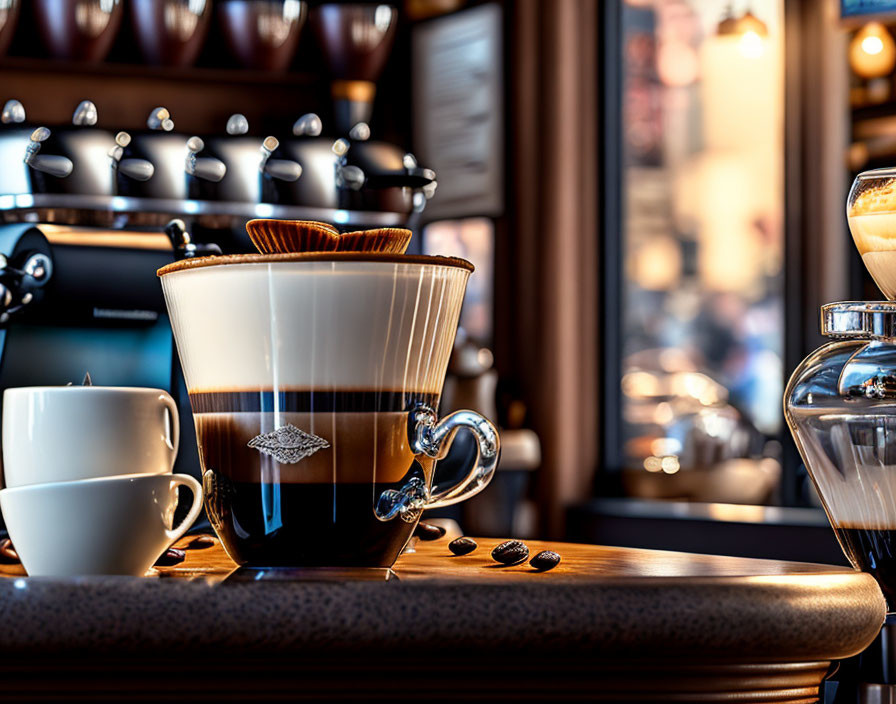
864, 319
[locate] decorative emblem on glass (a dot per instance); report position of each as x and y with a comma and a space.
288, 444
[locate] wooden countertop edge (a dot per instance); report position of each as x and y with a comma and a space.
764, 621
593, 603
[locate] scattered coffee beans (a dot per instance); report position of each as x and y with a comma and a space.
545, 560
511, 552
171, 556
429, 531
462, 546
8, 554
200, 542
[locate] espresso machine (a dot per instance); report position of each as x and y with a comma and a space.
88, 214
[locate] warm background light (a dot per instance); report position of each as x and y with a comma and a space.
656, 264
749, 30
752, 45
872, 51
677, 64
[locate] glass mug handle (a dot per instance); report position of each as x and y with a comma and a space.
431, 437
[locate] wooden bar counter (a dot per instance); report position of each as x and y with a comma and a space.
608, 624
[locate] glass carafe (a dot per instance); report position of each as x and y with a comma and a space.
840, 405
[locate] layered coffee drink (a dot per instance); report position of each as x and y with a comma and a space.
299, 485
871, 214
314, 380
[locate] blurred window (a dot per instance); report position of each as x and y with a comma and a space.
702, 204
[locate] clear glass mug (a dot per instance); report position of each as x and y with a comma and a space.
314, 380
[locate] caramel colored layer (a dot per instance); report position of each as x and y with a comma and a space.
363, 447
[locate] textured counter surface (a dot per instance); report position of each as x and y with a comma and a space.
609, 622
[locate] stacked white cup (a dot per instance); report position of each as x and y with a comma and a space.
87, 477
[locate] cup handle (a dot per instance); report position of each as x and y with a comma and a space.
431, 437
173, 440
194, 486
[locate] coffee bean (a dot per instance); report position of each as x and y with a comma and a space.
200, 542
545, 560
429, 531
511, 552
8, 554
172, 556
462, 546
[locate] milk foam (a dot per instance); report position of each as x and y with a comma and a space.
315, 325
873, 232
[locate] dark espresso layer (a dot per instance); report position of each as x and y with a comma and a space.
316, 401
872, 550
304, 525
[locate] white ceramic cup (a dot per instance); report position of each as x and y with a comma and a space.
117, 525
66, 433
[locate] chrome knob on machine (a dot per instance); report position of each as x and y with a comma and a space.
309, 125
237, 124
207, 168
283, 169
428, 188
137, 169
13, 113
348, 176
160, 119
360, 132
54, 165
85, 114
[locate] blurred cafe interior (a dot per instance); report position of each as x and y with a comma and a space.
652, 192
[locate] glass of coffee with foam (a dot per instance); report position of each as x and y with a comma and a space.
314, 379
871, 213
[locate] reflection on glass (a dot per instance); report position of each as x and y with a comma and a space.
472, 239
703, 248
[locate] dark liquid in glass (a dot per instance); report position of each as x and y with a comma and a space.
304, 525
319, 510
872, 550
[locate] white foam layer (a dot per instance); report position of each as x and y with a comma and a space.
321, 325
856, 480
